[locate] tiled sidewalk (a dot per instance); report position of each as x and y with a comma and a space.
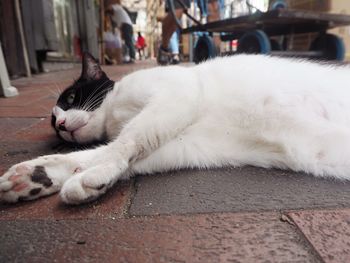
221, 215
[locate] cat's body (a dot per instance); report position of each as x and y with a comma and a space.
234, 111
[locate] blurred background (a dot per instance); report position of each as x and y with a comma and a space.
46, 35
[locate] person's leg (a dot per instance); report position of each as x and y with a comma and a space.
139, 51
213, 11
174, 48
214, 15
174, 44
41, 57
169, 27
131, 42
127, 34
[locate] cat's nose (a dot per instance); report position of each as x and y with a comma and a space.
61, 125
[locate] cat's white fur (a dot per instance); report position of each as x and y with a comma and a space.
232, 111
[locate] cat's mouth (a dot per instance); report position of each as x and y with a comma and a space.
74, 133
71, 135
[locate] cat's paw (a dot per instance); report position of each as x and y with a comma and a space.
32, 179
88, 185
26, 182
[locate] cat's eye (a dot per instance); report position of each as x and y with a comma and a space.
70, 98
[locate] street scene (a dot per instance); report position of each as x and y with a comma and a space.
225, 213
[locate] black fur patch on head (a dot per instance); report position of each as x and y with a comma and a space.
88, 92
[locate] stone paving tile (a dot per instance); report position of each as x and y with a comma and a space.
37, 95
12, 152
235, 190
68, 76
40, 131
200, 238
327, 231
30, 230
111, 205
11, 126
48, 78
29, 96
29, 146
16, 112
40, 109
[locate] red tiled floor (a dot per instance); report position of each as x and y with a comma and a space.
11, 126
111, 205
40, 111
15, 151
196, 238
37, 95
46, 230
327, 231
40, 131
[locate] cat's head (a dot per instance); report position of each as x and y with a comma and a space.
75, 112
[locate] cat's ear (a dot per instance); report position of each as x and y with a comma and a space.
91, 69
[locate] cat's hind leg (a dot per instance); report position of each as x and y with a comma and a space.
35, 178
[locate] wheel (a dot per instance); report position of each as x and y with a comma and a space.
331, 46
278, 4
254, 42
204, 49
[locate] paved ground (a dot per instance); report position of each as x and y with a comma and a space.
222, 215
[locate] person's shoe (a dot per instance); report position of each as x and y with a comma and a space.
164, 56
175, 59
129, 61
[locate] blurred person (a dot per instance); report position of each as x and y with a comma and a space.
214, 15
122, 20
113, 44
169, 26
140, 45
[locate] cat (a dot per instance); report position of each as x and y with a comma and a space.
231, 111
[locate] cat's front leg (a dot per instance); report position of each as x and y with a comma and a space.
35, 178
141, 136
91, 183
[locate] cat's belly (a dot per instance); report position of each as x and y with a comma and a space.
284, 137
205, 146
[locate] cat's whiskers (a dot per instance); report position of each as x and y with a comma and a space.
58, 89
92, 94
73, 120
91, 106
81, 93
96, 98
91, 100
53, 92
45, 108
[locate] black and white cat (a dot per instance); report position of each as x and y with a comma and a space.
232, 111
